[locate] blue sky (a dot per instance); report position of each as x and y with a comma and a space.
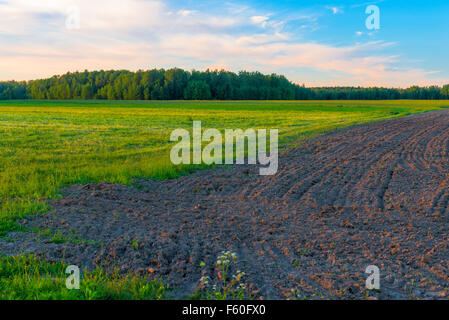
312, 42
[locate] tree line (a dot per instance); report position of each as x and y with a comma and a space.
178, 84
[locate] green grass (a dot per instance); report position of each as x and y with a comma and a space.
29, 278
45, 145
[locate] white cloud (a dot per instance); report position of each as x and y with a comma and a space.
260, 20
186, 13
335, 10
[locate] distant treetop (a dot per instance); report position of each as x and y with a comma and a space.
177, 84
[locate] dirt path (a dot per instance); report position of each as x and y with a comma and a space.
368, 195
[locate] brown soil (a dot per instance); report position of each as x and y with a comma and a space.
368, 195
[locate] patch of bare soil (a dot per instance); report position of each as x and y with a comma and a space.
368, 195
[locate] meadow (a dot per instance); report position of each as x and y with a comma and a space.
46, 145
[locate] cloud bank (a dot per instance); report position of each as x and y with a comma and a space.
38, 40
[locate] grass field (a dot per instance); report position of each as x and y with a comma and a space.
45, 145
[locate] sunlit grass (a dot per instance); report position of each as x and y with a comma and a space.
29, 278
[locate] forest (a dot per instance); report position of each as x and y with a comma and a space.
178, 84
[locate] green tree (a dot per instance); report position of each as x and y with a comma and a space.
197, 90
87, 92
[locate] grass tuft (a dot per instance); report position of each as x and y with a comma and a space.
29, 278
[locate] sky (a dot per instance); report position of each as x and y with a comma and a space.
315, 43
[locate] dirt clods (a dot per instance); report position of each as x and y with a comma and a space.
369, 195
